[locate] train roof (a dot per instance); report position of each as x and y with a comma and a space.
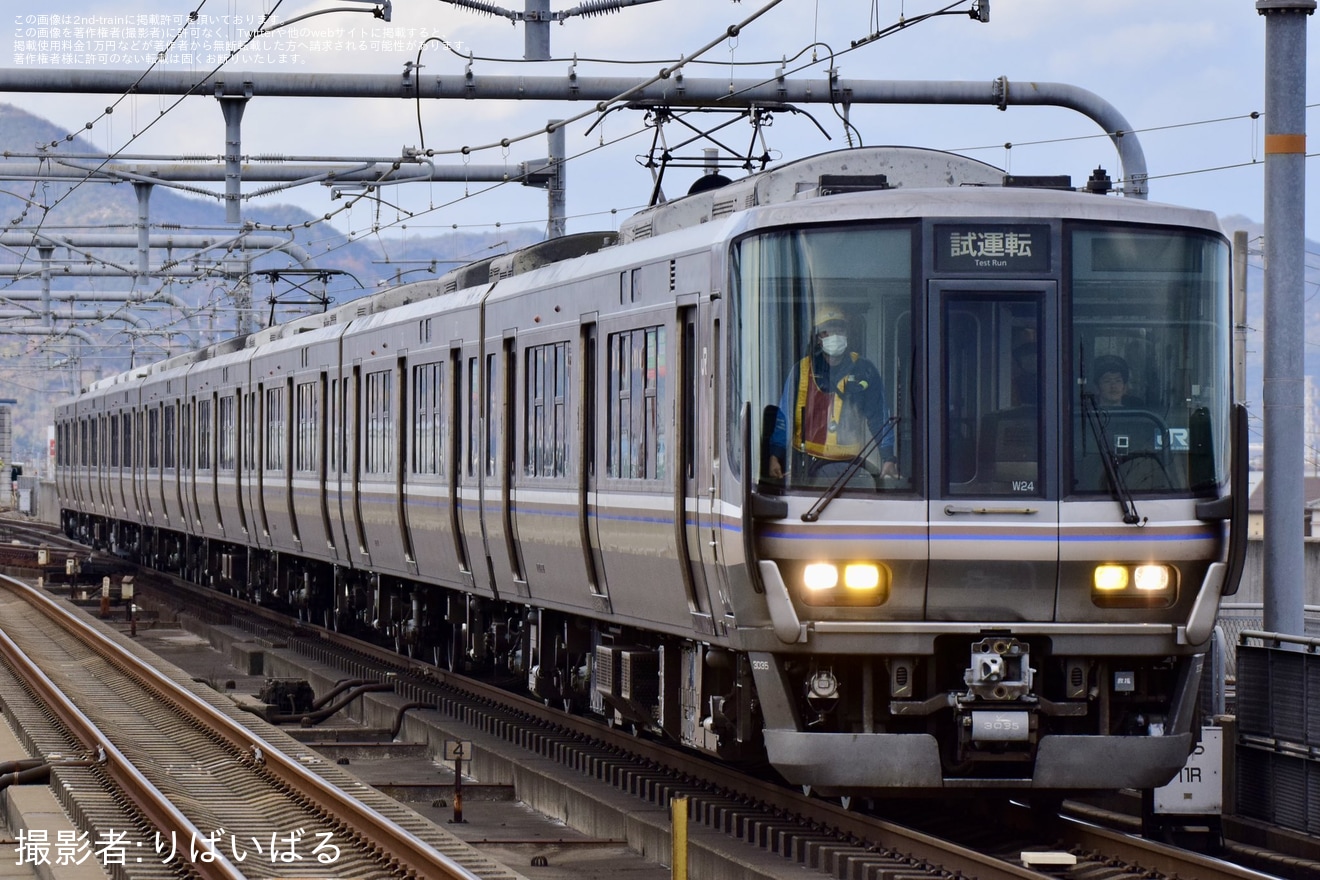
916, 181
862, 169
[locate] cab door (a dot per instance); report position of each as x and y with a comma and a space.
994, 510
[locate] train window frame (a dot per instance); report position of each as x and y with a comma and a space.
204, 434
428, 407
248, 438
276, 429
186, 435
127, 427
169, 435
1004, 452
153, 437
378, 438
1174, 348
636, 395
474, 445
226, 458
545, 434
493, 407
94, 441
771, 306
307, 427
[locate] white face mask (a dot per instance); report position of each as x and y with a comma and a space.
834, 345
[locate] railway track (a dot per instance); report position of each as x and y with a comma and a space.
205, 793
835, 838
753, 813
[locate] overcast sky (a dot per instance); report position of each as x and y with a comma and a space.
1187, 75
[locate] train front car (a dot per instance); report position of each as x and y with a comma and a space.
989, 434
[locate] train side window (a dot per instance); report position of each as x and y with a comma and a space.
204, 435
153, 438
169, 436
128, 439
186, 436
379, 440
492, 404
308, 421
428, 452
473, 417
545, 452
225, 454
336, 424
249, 432
275, 429
635, 431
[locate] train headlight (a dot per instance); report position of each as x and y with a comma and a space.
1151, 577
1110, 578
820, 576
1134, 586
850, 584
861, 576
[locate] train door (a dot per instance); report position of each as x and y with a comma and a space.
208, 463
258, 426
402, 430
134, 461
151, 470
188, 465
233, 425
98, 460
994, 454
589, 395
698, 464
502, 423
477, 371
337, 433
455, 462
355, 414
324, 426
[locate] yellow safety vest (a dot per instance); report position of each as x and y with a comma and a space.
829, 446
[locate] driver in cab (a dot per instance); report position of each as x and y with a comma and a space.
835, 402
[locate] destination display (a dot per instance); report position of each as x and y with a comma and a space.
1014, 248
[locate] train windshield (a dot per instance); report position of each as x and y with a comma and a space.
1150, 391
829, 345
1102, 359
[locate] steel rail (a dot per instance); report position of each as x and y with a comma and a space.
135, 786
1155, 856
402, 848
911, 842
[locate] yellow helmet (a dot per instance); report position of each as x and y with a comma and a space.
827, 313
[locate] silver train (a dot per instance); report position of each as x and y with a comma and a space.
642, 474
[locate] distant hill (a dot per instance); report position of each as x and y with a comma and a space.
37, 369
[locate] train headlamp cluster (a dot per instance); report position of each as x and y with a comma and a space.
847, 583
1124, 584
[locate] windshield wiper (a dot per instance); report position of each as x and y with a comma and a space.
854, 464
1091, 412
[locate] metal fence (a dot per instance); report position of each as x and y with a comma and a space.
1278, 717
1236, 618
